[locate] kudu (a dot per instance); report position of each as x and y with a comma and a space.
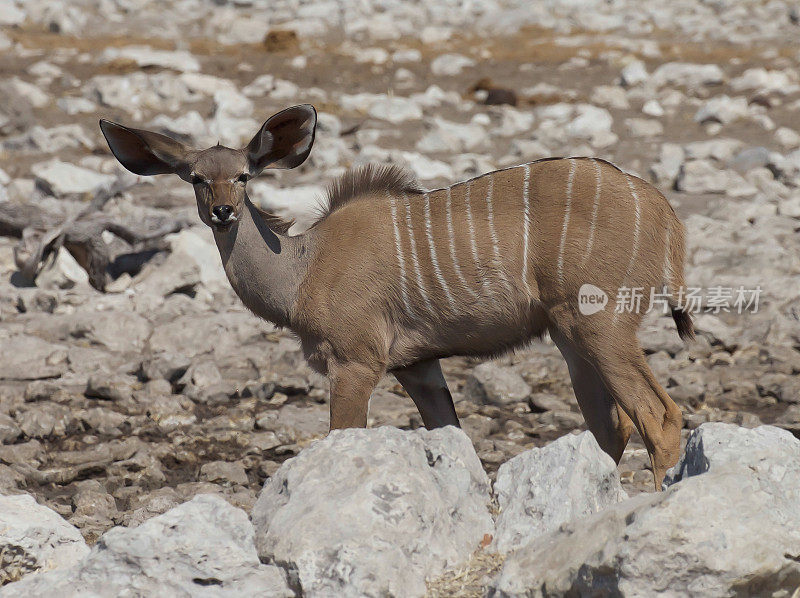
391, 278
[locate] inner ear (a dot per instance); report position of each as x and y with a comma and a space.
284, 141
145, 152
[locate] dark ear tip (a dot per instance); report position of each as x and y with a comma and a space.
107, 124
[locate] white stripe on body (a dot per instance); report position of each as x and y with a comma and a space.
636, 225
452, 239
565, 225
492, 231
667, 264
595, 208
414, 258
472, 240
400, 258
434, 257
526, 219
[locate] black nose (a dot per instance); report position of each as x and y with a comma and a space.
222, 212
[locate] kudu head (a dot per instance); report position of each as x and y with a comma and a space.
219, 174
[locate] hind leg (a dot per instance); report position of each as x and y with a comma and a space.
425, 384
615, 353
606, 420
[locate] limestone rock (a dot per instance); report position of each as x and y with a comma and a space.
490, 384
374, 512
543, 488
715, 445
34, 539
201, 548
710, 535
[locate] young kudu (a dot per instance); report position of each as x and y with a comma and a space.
392, 278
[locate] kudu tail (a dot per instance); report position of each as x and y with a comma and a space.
674, 281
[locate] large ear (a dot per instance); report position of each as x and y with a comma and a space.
144, 152
284, 141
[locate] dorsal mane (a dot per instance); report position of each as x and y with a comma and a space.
369, 179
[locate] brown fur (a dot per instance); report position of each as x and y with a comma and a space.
391, 279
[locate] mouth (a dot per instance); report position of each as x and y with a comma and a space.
223, 225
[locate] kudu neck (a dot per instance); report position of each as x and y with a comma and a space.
265, 267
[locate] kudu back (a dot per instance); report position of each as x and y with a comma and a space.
392, 278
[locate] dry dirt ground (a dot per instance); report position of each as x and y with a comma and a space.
116, 406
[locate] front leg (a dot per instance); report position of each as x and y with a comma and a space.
352, 384
425, 384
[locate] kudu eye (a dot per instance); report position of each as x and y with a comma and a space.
197, 179
242, 178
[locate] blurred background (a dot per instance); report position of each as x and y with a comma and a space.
132, 378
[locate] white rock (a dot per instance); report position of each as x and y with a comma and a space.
143, 56
197, 245
722, 109
788, 138
471, 165
371, 56
261, 86
783, 82
11, 15
447, 65
513, 122
426, 168
359, 102
189, 127
231, 123
374, 512
206, 85
409, 55
403, 75
634, 74
687, 75
611, 96
284, 90
74, 105
64, 180
51, 140
734, 532
714, 446
491, 384
668, 167
35, 539
653, 108
435, 96
593, 124
299, 202
529, 150
45, 71
543, 488
717, 149
643, 127
701, 176
173, 274
395, 109
201, 548
63, 273
136, 91
29, 91
446, 136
